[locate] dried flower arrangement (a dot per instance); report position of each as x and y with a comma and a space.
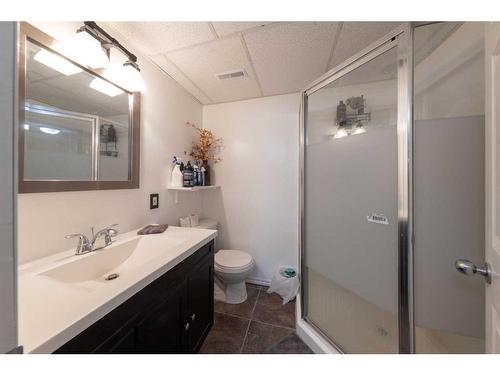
207, 146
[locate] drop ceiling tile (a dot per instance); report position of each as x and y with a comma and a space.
289, 56
226, 28
168, 67
153, 38
202, 63
354, 36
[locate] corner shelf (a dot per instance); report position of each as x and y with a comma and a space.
194, 188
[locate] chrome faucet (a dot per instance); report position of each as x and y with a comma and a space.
83, 245
86, 246
108, 234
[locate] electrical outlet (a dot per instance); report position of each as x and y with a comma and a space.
154, 201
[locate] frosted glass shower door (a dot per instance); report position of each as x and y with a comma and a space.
350, 263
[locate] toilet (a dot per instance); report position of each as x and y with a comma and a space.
232, 268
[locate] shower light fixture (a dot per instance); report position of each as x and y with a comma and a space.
50, 131
341, 133
360, 129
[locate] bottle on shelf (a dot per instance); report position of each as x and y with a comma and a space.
188, 175
202, 176
196, 174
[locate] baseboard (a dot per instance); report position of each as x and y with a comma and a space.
261, 282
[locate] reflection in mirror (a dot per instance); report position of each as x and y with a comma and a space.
76, 126
449, 109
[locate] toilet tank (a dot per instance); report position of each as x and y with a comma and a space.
208, 224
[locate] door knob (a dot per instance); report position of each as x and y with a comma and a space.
468, 268
186, 327
193, 317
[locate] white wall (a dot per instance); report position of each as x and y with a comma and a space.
257, 205
8, 321
45, 218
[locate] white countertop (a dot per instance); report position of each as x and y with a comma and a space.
51, 312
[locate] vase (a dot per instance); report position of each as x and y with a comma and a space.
207, 172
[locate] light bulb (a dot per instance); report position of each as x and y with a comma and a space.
50, 131
87, 50
105, 87
341, 133
56, 62
126, 76
359, 130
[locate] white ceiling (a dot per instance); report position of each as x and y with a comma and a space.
278, 57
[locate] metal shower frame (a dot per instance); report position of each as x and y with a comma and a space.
400, 38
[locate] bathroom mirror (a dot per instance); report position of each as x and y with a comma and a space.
77, 130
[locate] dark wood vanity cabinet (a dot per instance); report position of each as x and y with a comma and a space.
173, 314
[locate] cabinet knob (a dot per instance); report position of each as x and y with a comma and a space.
186, 327
193, 317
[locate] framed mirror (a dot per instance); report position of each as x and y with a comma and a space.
77, 129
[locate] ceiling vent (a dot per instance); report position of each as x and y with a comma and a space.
239, 73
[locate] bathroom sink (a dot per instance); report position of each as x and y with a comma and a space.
97, 265
69, 292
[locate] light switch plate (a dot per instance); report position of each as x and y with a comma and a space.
154, 201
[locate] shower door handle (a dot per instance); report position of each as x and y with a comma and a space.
468, 268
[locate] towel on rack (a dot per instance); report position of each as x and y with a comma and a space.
153, 229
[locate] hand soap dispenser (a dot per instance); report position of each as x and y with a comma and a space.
176, 180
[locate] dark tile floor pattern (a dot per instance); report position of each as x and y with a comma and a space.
261, 324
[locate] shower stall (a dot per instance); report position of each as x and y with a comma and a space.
392, 193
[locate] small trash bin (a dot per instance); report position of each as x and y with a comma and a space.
285, 282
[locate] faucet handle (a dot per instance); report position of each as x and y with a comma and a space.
112, 232
79, 235
83, 245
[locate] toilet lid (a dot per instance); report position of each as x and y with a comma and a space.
232, 258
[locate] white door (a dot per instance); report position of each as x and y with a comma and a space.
492, 253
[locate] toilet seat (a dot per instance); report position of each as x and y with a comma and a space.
233, 261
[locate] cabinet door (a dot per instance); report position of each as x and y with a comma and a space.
126, 345
161, 330
200, 287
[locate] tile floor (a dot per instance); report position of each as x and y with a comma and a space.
260, 325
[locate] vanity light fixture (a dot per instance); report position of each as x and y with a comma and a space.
88, 49
56, 62
105, 87
50, 131
126, 74
133, 74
